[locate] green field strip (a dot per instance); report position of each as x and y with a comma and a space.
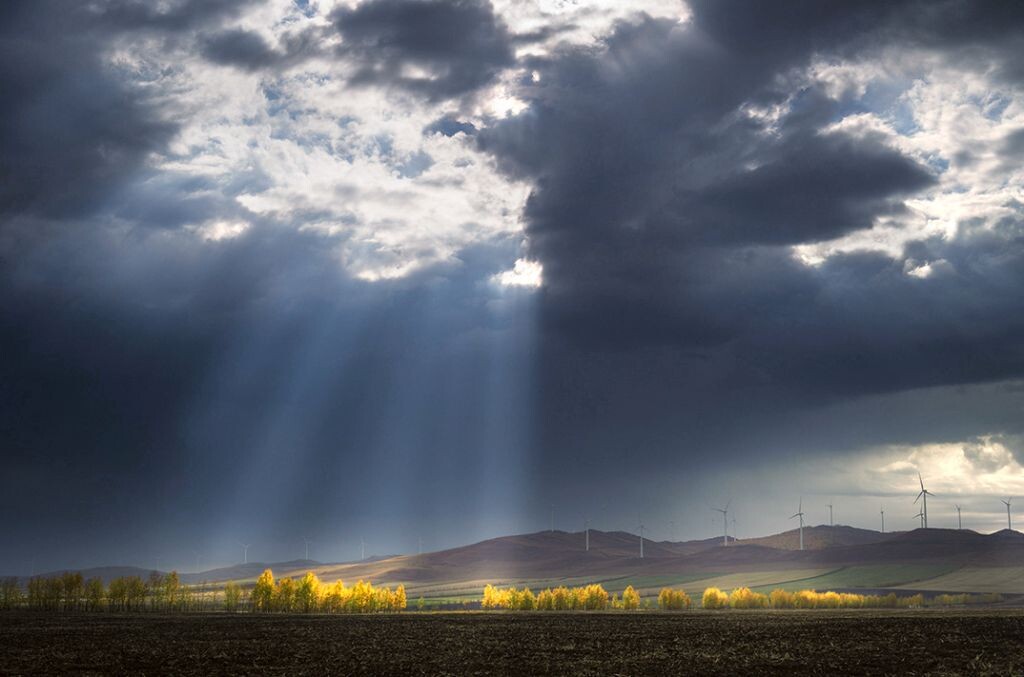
874, 576
1006, 580
754, 579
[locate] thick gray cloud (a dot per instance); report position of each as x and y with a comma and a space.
249, 51
70, 131
240, 48
173, 16
659, 209
461, 44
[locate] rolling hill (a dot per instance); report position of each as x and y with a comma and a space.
837, 557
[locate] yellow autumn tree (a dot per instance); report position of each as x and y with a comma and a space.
307, 593
263, 592
492, 598
630, 599
334, 598
284, 595
673, 600
745, 598
399, 598
781, 599
714, 598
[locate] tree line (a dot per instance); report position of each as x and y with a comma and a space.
71, 592
583, 598
310, 595
745, 598
595, 598
165, 592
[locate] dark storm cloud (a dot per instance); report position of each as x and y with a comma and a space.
249, 51
70, 131
658, 207
460, 43
239, 48
173, 16
807, 189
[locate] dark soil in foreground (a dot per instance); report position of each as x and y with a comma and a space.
726, 643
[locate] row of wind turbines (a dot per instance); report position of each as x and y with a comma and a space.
922, 514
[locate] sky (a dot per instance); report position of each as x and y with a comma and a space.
434, 270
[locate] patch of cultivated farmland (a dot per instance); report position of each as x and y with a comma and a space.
873, 576
755, 579
475, 588
651, 585
586, 643
1007, 580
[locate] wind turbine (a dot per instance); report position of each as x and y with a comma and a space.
924, 503
725, 522
245, 552
641, 540
800, 514
1009, 525
920, 515
362, 548
586, 530
735, 534
830, 514
959, 522
552, 529
307, 542
883, 519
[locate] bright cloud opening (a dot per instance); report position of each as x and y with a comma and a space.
524, 274
221, 230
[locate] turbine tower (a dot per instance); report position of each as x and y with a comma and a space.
1009, 525
800, 514
307, 542
552, 527
830, 514
959, 522
923, 496
641, 540
725, 522
362, 548
586, 530
245, 552
883, 519
920, 516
